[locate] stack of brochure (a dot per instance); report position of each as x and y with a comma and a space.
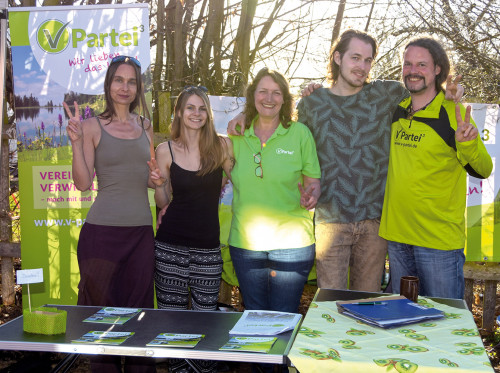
176, 340
108, 315
250, 333
249, 344
104, 337
113, 315
265, 323
388, 312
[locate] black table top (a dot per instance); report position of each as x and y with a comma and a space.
147, 325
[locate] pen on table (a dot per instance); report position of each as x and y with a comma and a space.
370, 303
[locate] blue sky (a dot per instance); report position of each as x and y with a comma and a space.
29, 78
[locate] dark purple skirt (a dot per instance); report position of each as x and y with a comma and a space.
116, 266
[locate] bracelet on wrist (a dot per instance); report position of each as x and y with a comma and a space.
162, 184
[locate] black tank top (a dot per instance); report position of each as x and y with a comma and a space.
192, 218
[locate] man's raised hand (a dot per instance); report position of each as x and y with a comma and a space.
238, 120
466, 131
310, 89
454, 90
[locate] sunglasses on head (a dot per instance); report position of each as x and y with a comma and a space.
200, 87
126, 59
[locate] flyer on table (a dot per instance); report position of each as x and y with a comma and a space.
249, 344
103, 337
176, 340
113, 315
265, 323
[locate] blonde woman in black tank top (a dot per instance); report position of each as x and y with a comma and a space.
188, 175
116, 245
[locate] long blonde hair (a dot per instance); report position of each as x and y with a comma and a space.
212, 154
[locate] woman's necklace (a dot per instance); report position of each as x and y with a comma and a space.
264, 134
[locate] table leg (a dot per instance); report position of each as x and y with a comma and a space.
65, 364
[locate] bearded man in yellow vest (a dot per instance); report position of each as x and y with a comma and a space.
434, 144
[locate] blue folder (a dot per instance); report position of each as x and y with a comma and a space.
388, 312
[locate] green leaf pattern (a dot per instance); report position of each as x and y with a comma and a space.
443, 344
352, 135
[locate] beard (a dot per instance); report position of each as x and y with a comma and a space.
415, 88
353, 83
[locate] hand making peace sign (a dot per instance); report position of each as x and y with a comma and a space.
466, 131
74, 128
155, 173
454, 90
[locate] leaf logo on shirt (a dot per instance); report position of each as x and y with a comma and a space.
283, 151
53, 36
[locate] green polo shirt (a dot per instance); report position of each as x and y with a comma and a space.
266, 211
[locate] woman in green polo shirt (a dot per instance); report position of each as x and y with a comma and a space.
275, 184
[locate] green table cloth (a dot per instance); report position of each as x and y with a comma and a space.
331, 342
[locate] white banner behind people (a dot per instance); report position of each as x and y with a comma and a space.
225, 109
483, 198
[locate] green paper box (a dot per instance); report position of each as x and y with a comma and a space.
45, 320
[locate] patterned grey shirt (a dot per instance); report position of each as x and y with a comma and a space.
352, 136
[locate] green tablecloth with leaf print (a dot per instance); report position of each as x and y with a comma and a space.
331, 342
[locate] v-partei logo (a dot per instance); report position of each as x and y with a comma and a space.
53, 36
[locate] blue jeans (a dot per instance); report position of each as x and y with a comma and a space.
272, 280
440, 272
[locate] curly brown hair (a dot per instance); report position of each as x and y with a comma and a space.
438, 55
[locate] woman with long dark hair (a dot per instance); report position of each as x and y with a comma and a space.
116, 245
